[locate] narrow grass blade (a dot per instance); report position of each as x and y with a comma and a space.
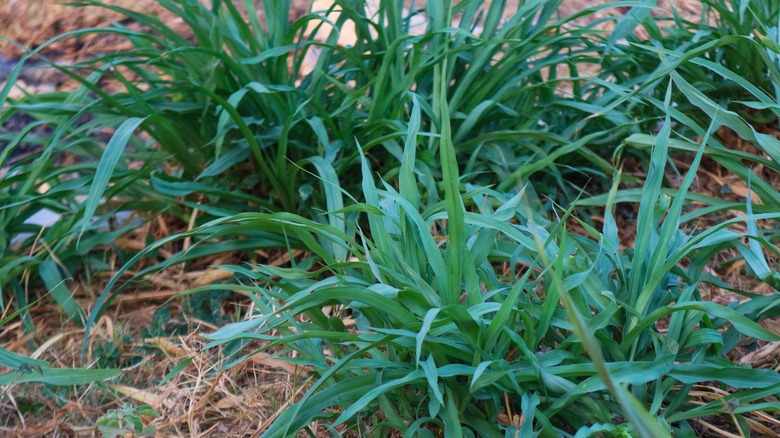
105, 169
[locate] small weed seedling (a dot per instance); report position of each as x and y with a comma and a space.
117, 422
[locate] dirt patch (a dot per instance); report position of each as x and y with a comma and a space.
31, 23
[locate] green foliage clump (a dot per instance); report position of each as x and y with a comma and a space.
421, 171
128, 418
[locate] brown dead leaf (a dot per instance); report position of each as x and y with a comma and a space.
210, 276
140, 395
266, 360
168, 347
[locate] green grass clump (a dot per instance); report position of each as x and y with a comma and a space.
238, 90
568, 332
440, 337
442, 287
229, 120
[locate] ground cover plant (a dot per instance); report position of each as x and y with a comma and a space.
248, 108
421, 223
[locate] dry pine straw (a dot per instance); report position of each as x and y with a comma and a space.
202, 400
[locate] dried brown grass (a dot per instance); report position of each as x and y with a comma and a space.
202, 400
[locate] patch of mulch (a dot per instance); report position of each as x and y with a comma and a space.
31, 23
